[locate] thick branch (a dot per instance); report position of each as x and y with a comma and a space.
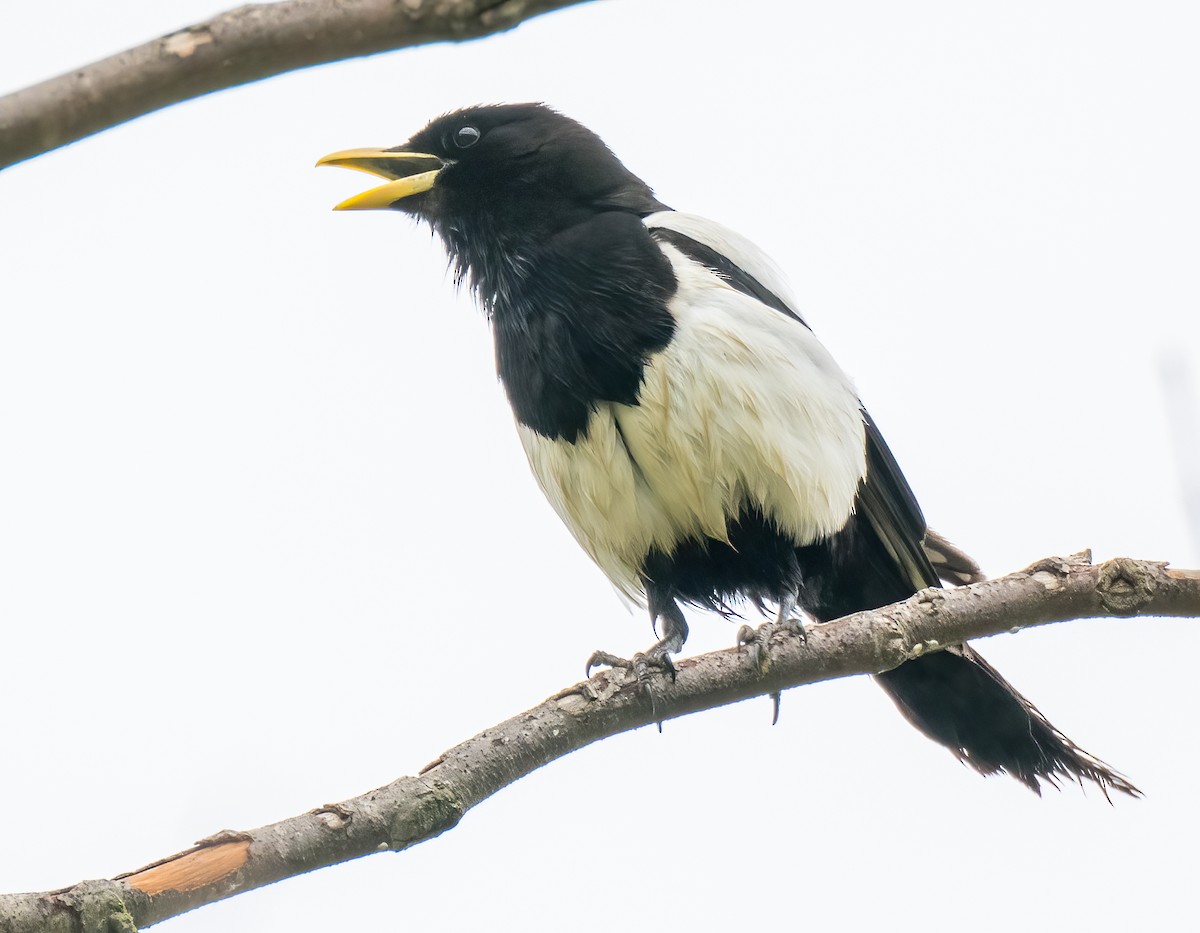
413, 809
247, 44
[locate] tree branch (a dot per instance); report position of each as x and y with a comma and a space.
413, 809
242, 45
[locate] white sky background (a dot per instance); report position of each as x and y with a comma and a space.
268, 540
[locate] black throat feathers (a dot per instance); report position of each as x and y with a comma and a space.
577, 319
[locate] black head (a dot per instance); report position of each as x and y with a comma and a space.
545, 222
496, 180
519, 160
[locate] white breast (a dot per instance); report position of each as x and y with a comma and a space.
743, 406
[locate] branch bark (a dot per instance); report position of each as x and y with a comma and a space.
242, 45
413, 809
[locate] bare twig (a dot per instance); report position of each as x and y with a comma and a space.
413, 809
242, 45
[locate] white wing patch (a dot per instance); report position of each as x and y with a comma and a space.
744, 406
733, 246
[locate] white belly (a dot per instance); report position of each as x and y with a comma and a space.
744, 407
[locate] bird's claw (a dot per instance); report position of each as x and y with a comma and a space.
643, 666
656, 658
604, 659
758, 641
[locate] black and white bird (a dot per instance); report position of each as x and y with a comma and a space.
683, 420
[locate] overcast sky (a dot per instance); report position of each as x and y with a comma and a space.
268, 540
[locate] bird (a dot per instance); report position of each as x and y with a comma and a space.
683, 419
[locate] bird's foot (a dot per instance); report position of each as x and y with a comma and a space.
664, 612
643, 666
795, 625
758, 641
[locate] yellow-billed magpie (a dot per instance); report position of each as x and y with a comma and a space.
683, 420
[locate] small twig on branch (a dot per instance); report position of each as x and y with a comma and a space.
413, 809
242, 45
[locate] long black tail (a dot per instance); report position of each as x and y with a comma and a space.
953, 696
959, 700
886, 553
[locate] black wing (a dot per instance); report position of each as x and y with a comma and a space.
886, 500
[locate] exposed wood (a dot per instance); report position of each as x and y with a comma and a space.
191, 870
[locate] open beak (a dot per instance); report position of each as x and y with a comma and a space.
411, 173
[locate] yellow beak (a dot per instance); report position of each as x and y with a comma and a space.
412, 173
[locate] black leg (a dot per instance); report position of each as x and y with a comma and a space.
667, 619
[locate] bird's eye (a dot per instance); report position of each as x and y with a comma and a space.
465, 137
